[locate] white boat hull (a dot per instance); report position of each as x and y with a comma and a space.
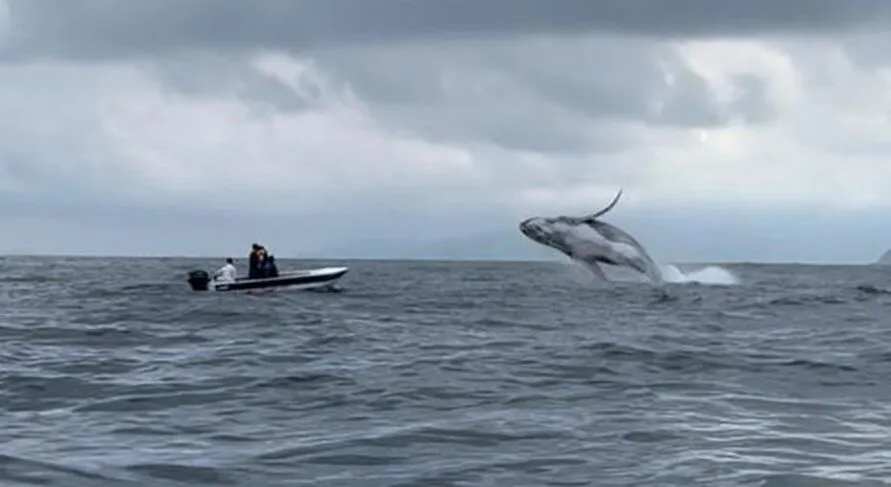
296, 280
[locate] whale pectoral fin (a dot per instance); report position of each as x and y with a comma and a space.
656, 274
641, 267
594, 267
652, 271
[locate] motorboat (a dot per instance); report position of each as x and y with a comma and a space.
322, 277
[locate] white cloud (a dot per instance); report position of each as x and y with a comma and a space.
824, 149
221, 150
818, 152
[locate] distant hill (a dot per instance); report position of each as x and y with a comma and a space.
495, 245
885, 259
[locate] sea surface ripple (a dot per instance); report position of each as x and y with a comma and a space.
442, 374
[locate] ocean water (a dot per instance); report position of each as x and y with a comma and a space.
444, 374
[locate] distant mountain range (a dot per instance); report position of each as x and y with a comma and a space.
494, 245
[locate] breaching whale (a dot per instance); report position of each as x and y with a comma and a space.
592, 242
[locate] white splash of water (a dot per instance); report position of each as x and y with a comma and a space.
711, 275
708, 275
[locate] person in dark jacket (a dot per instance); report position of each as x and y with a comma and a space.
269, 267
255, 262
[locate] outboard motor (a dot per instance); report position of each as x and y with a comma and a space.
199, 280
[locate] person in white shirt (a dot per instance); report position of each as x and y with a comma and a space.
226, 273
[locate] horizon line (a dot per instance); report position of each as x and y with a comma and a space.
425, 259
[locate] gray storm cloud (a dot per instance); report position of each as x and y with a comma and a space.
88, 29
577, 95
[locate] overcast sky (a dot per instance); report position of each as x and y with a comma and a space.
755, 131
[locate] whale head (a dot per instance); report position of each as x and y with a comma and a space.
549, 232
536, 229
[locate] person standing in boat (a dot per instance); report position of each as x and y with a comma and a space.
255, 261
226, 273
269, 267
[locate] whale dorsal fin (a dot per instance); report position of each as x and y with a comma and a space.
604, 211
